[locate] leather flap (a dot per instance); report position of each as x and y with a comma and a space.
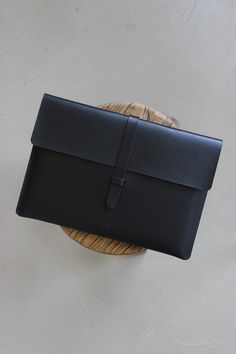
95, 134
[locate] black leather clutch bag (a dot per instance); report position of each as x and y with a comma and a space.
118, 176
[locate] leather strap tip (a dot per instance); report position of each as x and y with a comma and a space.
113, 196
110, 205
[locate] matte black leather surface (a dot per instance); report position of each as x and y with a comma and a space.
118, 176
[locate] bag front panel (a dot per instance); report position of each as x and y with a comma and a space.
71, 192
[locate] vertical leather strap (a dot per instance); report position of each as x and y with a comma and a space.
117, 180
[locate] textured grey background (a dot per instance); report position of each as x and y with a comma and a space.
57, 297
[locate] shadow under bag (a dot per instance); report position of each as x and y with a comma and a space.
118, 176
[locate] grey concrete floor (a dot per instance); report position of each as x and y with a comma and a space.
57, 297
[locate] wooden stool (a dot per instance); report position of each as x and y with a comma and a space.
104, 244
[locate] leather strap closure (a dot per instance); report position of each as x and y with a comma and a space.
117, 180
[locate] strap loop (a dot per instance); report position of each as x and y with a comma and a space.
117, 180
